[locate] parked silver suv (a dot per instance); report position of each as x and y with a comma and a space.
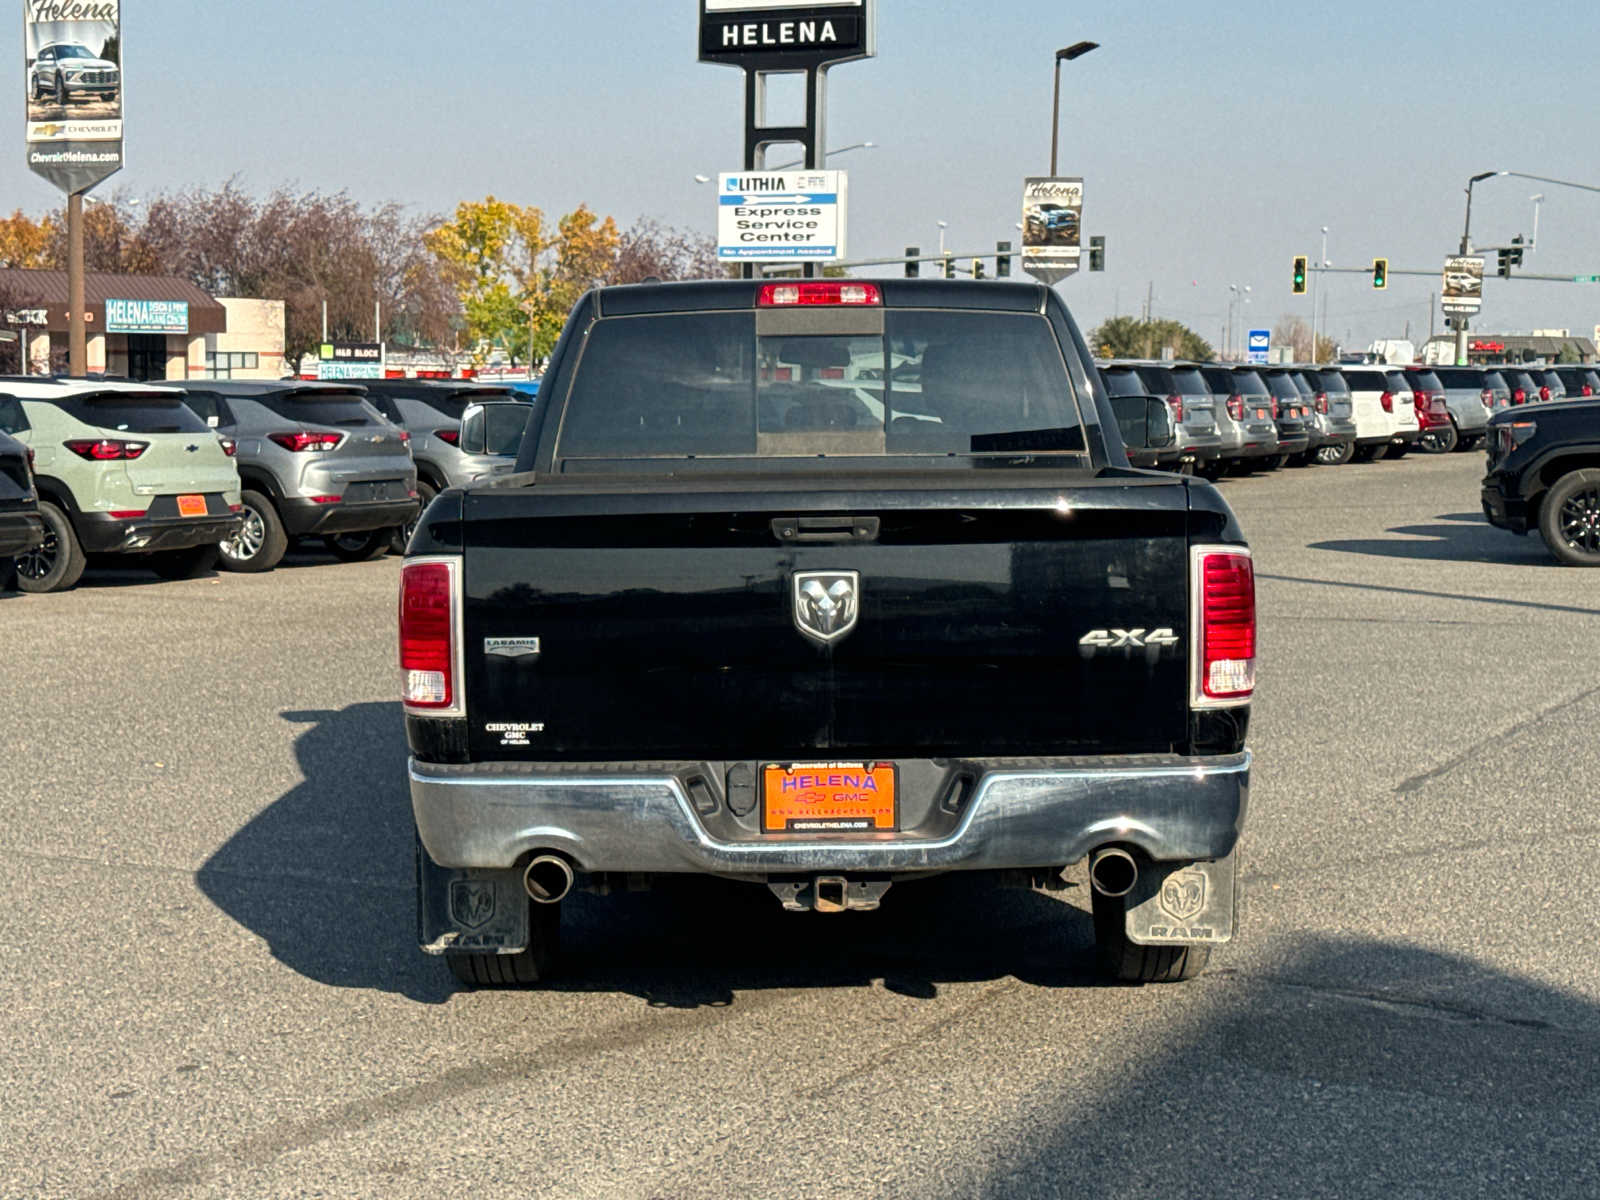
315, 459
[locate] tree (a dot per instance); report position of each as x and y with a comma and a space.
650, 250
1296, 334
1130, 337
516, 278
24, 242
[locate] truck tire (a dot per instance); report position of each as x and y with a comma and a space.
260, 543
402, 533
184, 564
58, 564
1569, 519
533, 965
1124, 961
1335, 455
359, 547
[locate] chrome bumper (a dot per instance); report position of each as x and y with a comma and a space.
1172, 807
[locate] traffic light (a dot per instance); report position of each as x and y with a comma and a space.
1380, 273
977, 268
1503, 263
1516, 251
1097, 254
1299, 275
1002, 260
949, 267
913, 267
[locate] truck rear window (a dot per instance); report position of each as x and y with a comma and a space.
704, 385
132, 412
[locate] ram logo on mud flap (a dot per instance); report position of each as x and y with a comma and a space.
1127, 639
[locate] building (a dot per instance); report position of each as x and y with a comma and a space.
142, 327
1483, 349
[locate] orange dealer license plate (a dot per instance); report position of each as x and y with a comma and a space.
191, 506
829, 798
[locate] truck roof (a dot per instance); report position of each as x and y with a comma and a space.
640, 298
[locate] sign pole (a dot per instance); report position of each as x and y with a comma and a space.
77, 340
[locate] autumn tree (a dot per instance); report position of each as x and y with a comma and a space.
650, 250
1130, 337
24, 242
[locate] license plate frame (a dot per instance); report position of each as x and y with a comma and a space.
830, 798
192, 506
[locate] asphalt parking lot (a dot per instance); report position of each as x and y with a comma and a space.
213, 989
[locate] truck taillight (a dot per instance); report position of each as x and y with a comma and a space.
783, 295
1224, 587
229, 446
1175, 403
1387, 400
1236, 407
430, 608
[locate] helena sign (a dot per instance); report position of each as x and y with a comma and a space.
785, 34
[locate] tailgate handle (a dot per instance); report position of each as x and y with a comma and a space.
825, 529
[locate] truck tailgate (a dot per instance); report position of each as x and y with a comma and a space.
666, 621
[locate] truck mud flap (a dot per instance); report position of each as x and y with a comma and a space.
1184, 903
471, 910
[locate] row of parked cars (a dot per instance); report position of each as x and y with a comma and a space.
1237, 418
203, 473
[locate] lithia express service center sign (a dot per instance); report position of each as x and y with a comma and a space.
780, 216
785, 34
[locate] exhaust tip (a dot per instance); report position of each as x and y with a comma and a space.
547, 879
1113, 871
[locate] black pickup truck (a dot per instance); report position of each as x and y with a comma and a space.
825, 585
1544, 473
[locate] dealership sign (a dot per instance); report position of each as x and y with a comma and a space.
147, 316
1463, 285
1052, 227
789, 34
781, 216
72, 79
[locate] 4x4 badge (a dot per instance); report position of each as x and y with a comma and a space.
1128, 639
826, 603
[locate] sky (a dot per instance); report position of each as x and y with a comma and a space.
1215, 142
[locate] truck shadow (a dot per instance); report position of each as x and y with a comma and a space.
1350, 1067
324, 875
1452, 537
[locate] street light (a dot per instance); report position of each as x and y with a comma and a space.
1322, 263
943, 225
1076, 50
800, 162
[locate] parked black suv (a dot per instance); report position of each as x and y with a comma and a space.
1544, 473
20, 527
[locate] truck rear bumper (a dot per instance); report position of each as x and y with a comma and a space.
636, 819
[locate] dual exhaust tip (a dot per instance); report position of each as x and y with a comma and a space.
547, 878
1113, 871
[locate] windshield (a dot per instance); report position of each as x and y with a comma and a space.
344, 409
703, 385
72, 52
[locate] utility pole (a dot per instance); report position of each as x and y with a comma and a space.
77, 340
1149, 301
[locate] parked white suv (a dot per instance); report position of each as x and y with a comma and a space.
1386, 417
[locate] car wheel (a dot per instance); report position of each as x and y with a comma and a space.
1366, 454
534, 965
184, 564
61, 91
1441, 439
259, 543
402, 534
362, 546
1569, 519
1276, 463
1398, 450
1335, 455
1125, 961
56, 565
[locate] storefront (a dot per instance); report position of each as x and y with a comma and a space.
140, 327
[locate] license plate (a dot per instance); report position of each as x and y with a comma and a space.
191, 506
829, 798
1261, 414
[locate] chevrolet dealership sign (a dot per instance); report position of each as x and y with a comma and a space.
786, 34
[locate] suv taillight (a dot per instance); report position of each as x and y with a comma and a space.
229, 446
1322, 403
1225, 607
31, 457
1487, 396
782, 295
1175, 403
450, 437
1518, 396
1387, 400
1274, 410
1236, 407
306, 439
106, 449
1544, 391
429, 601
